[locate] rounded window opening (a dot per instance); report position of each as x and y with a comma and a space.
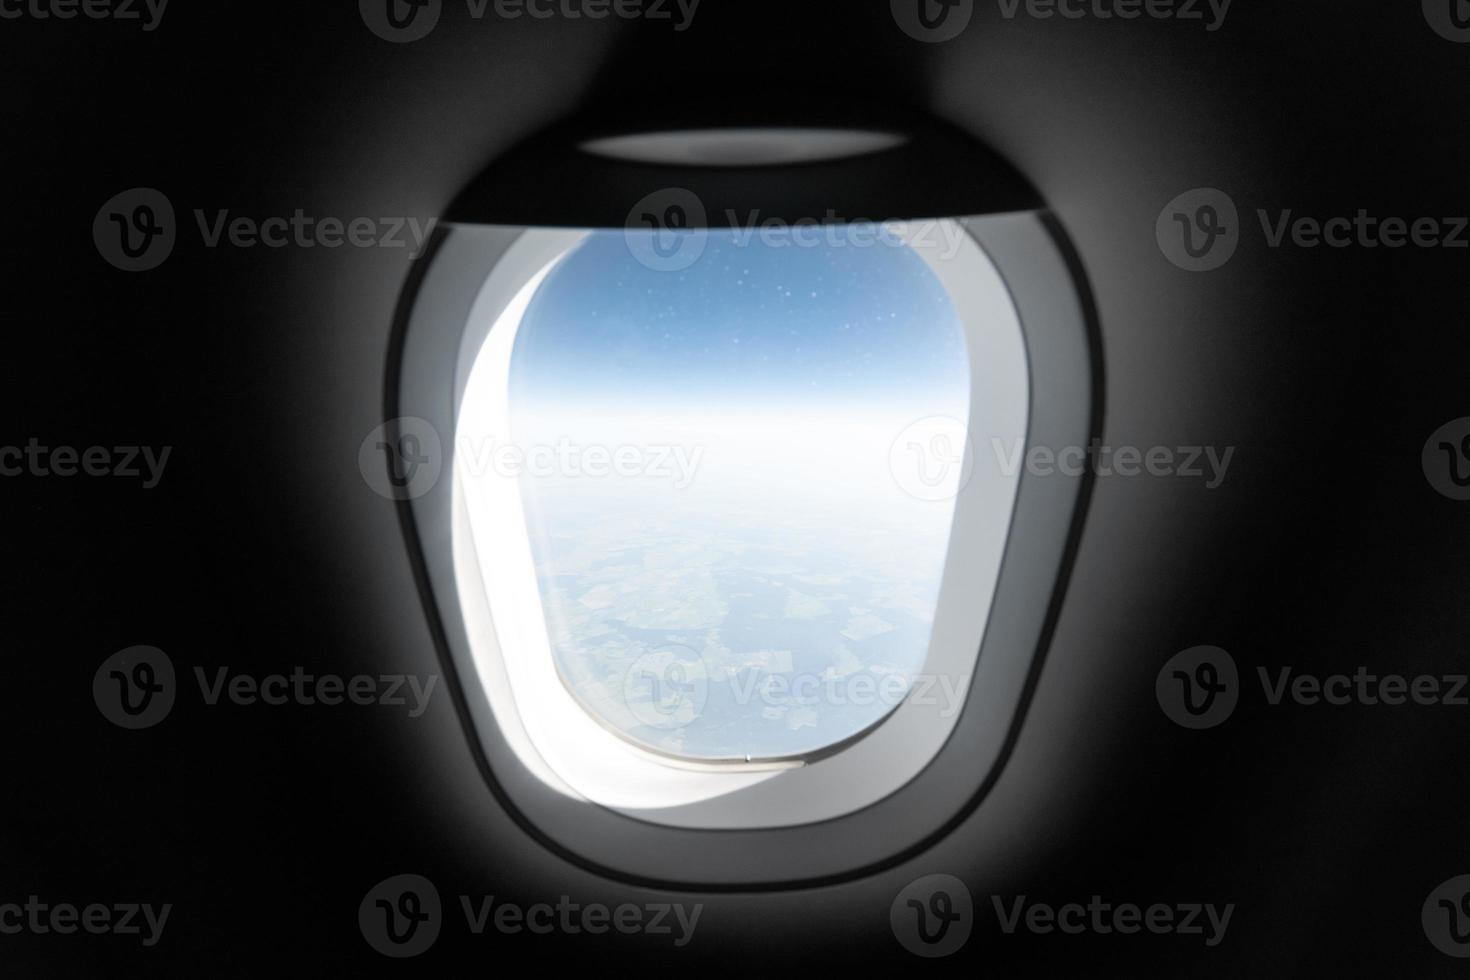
737, 535
739, 482
723, 540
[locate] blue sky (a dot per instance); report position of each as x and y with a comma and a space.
750, 323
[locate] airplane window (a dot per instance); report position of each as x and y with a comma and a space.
721, 533
736, 534
728, 567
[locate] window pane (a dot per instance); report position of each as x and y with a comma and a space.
728, 568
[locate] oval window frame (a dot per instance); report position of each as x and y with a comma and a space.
1030, 251
565, 744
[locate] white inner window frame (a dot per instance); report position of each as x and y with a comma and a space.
567, 749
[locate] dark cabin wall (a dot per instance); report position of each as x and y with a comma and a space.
261, 549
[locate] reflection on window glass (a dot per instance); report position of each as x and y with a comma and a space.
727, 566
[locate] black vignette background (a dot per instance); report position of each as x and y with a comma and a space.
261, 549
